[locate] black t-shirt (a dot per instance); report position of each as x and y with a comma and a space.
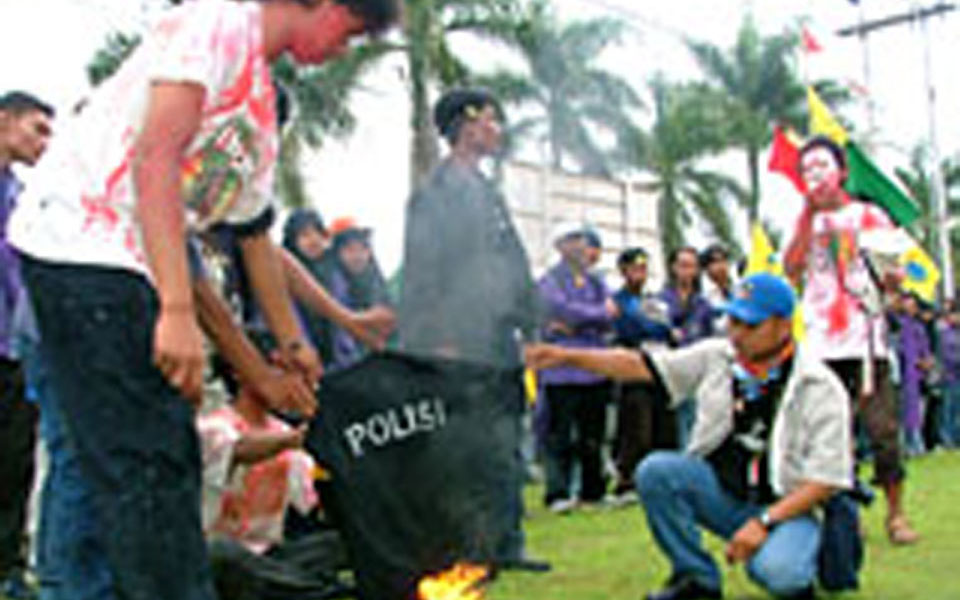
741, 462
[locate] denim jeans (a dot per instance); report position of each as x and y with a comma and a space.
680, 492
67, 546
133, 434
949, 430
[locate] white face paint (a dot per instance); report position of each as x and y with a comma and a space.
822, 176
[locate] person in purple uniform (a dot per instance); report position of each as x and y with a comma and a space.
579, 313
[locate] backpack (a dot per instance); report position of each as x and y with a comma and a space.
841, 544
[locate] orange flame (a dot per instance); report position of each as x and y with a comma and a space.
461, 582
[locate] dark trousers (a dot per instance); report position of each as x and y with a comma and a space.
644, 423
878, 414
576, 424
18, 436
133, 434
305, 569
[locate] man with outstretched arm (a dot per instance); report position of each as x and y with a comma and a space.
771, 441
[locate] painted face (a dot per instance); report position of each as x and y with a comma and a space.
760, 341
822, 176
311, 242
355, 256
26, 134
324, 33
685, 267
573, 248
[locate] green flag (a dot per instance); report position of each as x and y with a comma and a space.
867, 181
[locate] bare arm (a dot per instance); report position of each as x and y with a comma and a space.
795, 257
270, 287
284, 391
371, 327
615, 363
256, 447
172, 119
752, 535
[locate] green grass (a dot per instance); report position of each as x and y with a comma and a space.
609, 554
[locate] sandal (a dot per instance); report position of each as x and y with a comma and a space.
900, 532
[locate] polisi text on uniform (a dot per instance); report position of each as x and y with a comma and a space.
396, 424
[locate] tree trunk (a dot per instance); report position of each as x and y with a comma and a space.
753, 165
424, 150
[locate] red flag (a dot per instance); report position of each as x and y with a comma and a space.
810, 43
785, 158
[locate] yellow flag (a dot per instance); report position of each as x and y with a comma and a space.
763, 259
822, 121
530, 385
921, 274
763, 256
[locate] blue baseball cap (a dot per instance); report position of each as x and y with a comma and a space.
760, 297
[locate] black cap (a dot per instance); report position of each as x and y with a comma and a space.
456, 106
632, 256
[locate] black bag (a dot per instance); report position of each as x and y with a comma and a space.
841, 545
422, 454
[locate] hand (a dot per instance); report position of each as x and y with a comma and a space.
373, 326
745, 542
178, 351
559, 328
300, 356
613, 310
543, 356
296, 437
286, 392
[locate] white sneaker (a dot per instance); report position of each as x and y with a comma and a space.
620, 500
563, 506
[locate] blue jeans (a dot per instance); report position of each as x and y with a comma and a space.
71, 564
133, 435
949, 432
680, 492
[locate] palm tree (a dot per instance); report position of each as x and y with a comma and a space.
763, 88
575, 99
916, 179
682, 134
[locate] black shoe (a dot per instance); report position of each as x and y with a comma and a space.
685, 588
530, 565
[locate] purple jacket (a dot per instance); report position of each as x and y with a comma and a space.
11, 287
694, 320
582, 310
949, 350
914, 345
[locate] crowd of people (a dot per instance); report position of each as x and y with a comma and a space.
146, 225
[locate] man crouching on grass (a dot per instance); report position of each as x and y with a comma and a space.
770, 442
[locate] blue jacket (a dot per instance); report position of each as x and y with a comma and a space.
635, 325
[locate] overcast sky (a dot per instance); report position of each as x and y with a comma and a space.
46, 44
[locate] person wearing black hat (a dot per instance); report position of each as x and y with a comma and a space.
467, 289
643, 422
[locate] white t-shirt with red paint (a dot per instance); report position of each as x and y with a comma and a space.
80, 201
248, 503
835, 316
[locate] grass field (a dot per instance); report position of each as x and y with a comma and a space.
609, 554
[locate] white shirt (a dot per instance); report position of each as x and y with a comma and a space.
80, 202
825, 302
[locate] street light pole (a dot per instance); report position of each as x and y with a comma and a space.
939, 185
921, 16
